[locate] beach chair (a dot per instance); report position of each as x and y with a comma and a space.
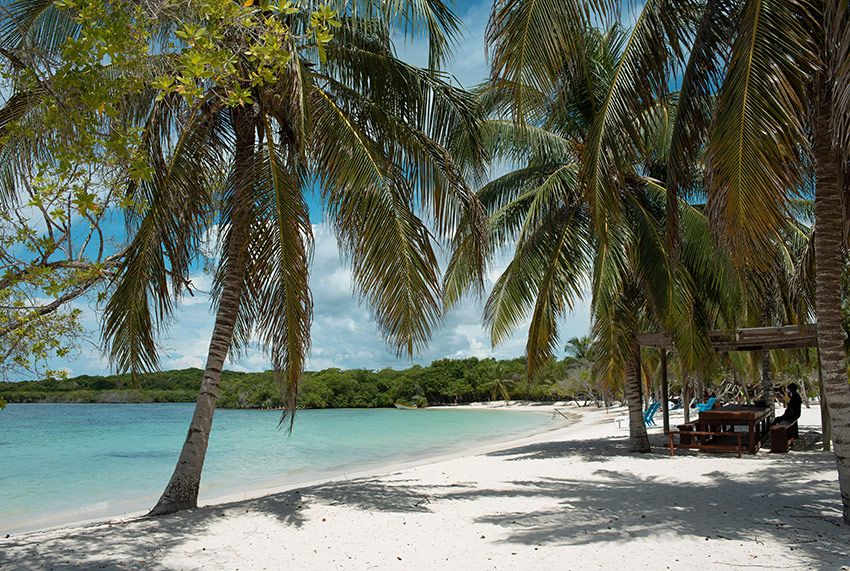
708, 405
649, 414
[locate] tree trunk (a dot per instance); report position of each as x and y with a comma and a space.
825, 423
828, 265
767, 383
665, 397
638, 440
686, 396
804, 393
766, 380
182, 490
743, 384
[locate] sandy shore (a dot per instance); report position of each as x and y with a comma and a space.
567, 499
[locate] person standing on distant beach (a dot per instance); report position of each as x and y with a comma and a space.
795, 404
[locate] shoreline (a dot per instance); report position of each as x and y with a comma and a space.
112, 517
569, 498
380, 470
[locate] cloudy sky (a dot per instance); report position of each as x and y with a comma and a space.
344, 335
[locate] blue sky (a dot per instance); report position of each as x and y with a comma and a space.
344, 334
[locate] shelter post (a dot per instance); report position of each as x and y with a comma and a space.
825, 421
665, 407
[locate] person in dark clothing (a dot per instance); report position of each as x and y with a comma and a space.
795, 404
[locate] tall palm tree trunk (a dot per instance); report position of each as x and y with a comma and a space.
182, 490
638, 440
828, 266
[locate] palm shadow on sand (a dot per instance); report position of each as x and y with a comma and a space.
610, 506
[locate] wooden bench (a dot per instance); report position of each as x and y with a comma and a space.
782, 435
688, 439
685, 430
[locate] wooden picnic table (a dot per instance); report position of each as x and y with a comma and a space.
731, 418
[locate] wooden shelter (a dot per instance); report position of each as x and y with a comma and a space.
749, 339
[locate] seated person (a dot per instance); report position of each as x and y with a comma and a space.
795, 403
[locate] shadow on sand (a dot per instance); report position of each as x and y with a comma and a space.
611, 506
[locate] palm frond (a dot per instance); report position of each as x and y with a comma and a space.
614, 140
696, 98
35, 26
281, 247
531, 39
370, 204
166, 230
754, 147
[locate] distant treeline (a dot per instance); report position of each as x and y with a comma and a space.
444, 381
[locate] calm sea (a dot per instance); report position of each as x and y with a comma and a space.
63, 463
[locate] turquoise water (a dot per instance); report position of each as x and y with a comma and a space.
62, 463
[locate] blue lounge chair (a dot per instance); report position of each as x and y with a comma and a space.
648, 415
708, 405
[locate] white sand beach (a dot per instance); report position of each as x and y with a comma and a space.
567, 499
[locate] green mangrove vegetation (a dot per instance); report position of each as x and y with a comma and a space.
444, 381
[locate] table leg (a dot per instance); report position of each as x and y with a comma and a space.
752, 442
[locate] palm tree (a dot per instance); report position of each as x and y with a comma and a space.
350, 118
763, 92
579, 363
501, 387
579, 348
785, 60
547, 207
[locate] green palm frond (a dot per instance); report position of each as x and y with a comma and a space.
393, 261
18, 150
414, 19
521, 144
506, 199
650, 264
546, 276
281, 302
836, 17
166, 228
614, 139
418, 122
701, 79
754, 146
370, 204
531, 39
498, 97
35, 25
614, 325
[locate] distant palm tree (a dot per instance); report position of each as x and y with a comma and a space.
501, 389
369, 130
579, 348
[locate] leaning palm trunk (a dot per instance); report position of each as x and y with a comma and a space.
182, 490
828, 260
638, 440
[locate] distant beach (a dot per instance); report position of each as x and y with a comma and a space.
568, 498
